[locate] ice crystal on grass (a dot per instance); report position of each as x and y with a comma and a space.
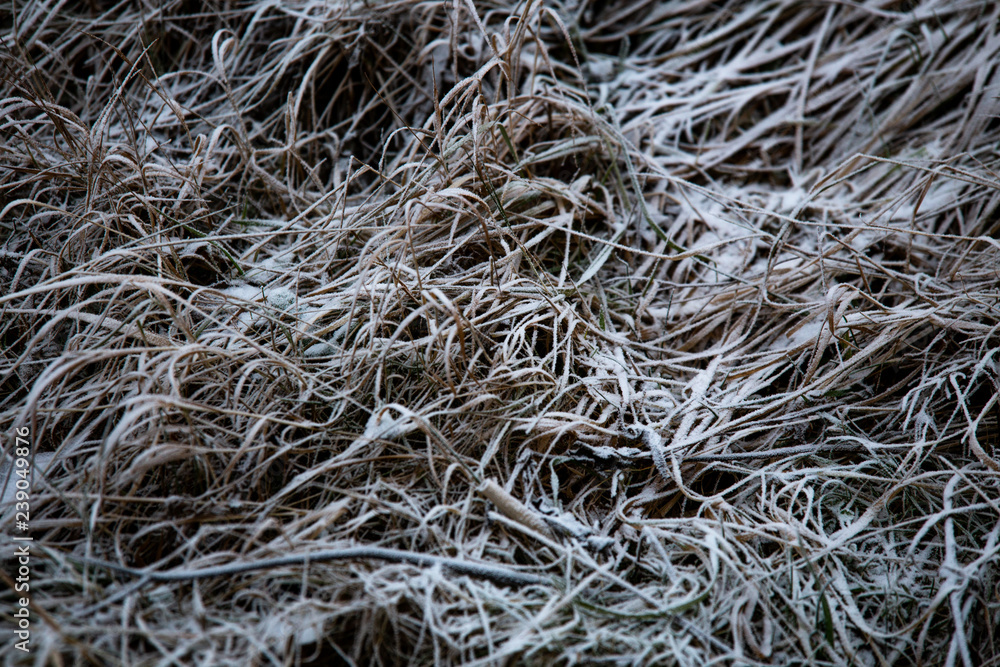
541, 333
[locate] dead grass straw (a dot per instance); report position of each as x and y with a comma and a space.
703, 297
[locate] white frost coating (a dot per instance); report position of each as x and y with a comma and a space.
281, 298
610, 367
728, 259
565, 523
263, 271
646, 230
437, 53
714, 214
382, 425
612, 453
660, 398
319, 350
654, 441
242, 292
699, 383
301, 631
866, 238
806, 334
621, 373
601, 68
657, 312
243, 295
941, 196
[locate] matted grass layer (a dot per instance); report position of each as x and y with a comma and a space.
548, 334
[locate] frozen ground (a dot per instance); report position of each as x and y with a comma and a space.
491, 333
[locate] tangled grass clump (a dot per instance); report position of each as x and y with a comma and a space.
529, 333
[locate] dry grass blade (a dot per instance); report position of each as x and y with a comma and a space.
701, 298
